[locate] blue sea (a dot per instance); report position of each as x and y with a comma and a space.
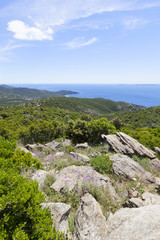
147, 95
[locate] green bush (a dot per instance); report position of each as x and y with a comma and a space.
102, 164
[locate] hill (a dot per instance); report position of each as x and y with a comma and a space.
10, 94
93, 107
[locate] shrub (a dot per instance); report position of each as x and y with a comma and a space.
102, 164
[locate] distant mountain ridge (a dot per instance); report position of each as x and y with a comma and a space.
9, 94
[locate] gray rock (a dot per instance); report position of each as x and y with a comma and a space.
95, 154
148, 178
124, 144
82, 145
116, 145
126, 167
79, 157
155, 164
40, 177
53, 145
71, 176
34, 148
31, 147
157, 150
135, 145
67, 142
134, 203
90, 224
59, 213
150, 199
134, 224
27, 151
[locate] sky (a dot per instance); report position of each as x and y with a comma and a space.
80, 41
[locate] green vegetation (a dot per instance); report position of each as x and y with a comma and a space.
21, 216
10, 94
102, 164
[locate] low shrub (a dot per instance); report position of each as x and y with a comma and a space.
102, 164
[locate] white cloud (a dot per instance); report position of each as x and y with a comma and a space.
24, 32
132, 23
80, 42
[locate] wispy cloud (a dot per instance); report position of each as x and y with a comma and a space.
46, 14
133, 23
79, 42
24, 32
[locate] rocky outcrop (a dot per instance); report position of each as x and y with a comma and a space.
53, 145
70, 177
124, 144
82, 145
89, 220
79, 157
34, 148
155, 164
59, 213
134, 224
157, 150
126, 167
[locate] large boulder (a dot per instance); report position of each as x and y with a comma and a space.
89, 221
79, 157
70, 177
124, 144
126, 167
134, 224
59, 213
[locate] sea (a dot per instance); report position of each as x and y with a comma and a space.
147, 95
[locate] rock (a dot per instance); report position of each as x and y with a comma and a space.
82, 145
90, 224
31, 147
157, 150
40, 177
59, 213
71, 176
133, 193
124, 144
95, 154
155, 164
134, 203
148, 178
134, 224
27, 151
79, 157
53, 145
126, 167
150, 199
34, 148
116, 145
67, 142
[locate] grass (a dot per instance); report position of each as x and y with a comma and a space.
143, 161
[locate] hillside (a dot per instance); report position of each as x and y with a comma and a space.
148, 117
93, 107
10, 94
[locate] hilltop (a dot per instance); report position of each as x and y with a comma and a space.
9, 94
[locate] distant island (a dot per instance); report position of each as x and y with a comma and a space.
9, 94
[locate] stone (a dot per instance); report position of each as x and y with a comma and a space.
134, 224
116, 145
150, 199
124, 144
70, 177
53, 145
90, 224
59, 213
27, 151
134, 203
148, 178
31, 147
157, 150
79, 157
67, 142
40, 177
126, 167
95, 154
82, 145
155, 164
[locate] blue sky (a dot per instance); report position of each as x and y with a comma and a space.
80, 41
